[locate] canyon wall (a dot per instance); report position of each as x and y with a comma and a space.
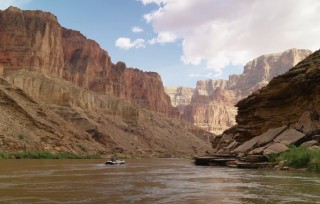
283, 101
285, 112
60, 92
212, 105
105, 120
34, 40
179, 96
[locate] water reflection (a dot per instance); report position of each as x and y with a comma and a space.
149, 181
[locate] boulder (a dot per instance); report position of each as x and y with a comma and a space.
247, 146
306, 123
268, 136
275, 148
290, 136
310, 143
315, 148
258, 150
232, 144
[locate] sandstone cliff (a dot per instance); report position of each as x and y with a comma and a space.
212, 105
179, 96
284, 100
284, 112
61, 92
34, 40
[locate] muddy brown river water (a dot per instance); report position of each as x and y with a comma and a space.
149, 181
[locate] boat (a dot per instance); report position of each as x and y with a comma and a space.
110, 162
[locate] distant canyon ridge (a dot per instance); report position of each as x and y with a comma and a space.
211, 104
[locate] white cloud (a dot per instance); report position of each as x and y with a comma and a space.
125, 43
136, 29
232, 32
163, 37
4, 4
145, 2
209, 75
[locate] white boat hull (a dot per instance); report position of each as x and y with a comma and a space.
109, 162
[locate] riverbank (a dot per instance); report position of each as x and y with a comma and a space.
46, 155
297, 158
300, 157
66, 155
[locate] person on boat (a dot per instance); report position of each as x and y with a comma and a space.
113, 159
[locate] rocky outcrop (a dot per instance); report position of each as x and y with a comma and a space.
34, 40
289, 99
212, 105
285, 112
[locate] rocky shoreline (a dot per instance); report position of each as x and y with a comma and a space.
283, 114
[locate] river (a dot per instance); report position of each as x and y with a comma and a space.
149, 181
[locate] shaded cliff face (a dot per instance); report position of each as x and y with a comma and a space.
212, 106
34, 40
283, 101
285, 112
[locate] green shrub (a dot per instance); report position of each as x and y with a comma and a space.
296, 157
299, 157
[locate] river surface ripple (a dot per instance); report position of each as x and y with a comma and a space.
149, 181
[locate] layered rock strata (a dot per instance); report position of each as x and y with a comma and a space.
212, 105
34, 40
83, 121
284, 112
179, 96
62, 93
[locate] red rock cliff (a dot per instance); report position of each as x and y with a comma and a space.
212, 106
30, 40
34, 40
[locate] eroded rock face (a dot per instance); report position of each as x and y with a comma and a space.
27, 125
180, 97
30, 40
34, 40
62, 94
212, 105
98, 122
284, 101
284, 112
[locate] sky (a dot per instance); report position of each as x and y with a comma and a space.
188, 40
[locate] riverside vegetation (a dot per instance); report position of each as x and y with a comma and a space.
46, 155
299, 157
